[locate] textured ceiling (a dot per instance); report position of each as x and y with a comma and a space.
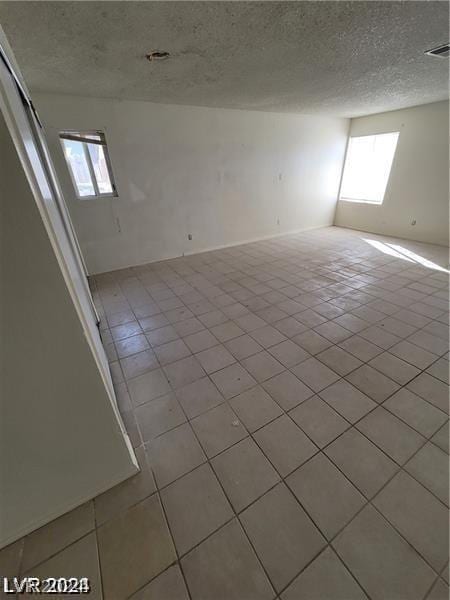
337, 58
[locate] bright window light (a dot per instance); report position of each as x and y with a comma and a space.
367, 167
89, 164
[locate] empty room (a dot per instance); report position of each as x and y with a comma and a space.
224, 290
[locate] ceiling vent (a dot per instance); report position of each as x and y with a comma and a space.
442, 51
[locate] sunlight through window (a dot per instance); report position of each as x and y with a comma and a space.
405, 254
367, 167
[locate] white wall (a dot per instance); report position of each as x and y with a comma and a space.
225, 176
60, 441
418, 184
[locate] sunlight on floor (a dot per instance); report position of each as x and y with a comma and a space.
405, 254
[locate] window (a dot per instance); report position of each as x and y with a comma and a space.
89, 165
367, 167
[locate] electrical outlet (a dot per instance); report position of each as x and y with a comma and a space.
189, 236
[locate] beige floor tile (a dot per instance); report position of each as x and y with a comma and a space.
391, 434
326, 494
161, 335
347, 400
243, 346
282, 534
351, 322
315, 374
440, 591
125, 331
233, 380
288, 353
225, 566
198, 397
244, 472
397, 327
153, 322
396, 369
325, 578
360, 348
54, 537
416, 412
10, 565
158, 416
284, 444
134, 547
262, 366
215, 358
271, 314
379, 337
200, 341
77, 560
333, 331
167, 586
312, 342
441, 438
287, 390
226, 331
195, 506
383, 562
319, 421
372, 383
188, 326
418, 516
138, 364
290, 327
174, 453
440, 370
120, 318
131, 345
339, 360
249, 322
178, 314
148, 387
184, 371
217, 429
255, 408
213, 318
432, 390
310, 318
171, 352
430, 467
361, 461
267, 336
431, 343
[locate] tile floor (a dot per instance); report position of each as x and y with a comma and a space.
288, 402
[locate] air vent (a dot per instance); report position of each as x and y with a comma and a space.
442, 51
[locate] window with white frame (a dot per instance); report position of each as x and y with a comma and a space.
367, 167
89, 165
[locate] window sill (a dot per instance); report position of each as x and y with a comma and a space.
102, 197
360, 201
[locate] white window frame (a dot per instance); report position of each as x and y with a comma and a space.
365, 200
85, 138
